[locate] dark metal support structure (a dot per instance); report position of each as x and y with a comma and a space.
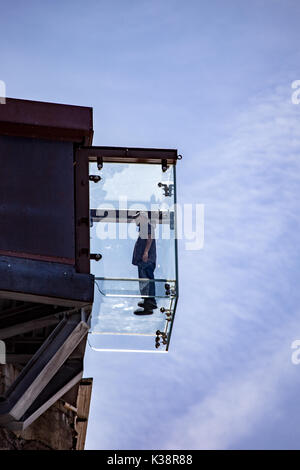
35, 380
82, 207
46, 289
129, 155
38, 281
124, 216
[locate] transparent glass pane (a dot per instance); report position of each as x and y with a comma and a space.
133, 212
115, 287
131, 188
123, 343
115, 326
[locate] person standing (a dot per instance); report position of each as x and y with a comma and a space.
144, 257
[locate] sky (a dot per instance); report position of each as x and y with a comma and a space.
214, 80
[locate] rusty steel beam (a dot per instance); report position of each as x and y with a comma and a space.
130, 154
26, 118
82, 211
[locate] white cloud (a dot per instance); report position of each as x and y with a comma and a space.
244, 283
229, 364
238, 403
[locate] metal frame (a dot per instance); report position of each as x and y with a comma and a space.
130, 155
176, 265
127, 216
46, 296
121, 155
29, 317
82, 211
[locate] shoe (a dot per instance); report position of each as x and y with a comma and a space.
142, 311
152, 306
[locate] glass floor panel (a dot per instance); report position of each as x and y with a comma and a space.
125, 343
114, 326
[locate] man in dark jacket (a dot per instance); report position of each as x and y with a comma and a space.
144, 257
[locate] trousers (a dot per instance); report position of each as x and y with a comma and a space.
147, 288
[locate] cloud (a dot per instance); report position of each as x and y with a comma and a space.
240, 402
244, 282
229, 364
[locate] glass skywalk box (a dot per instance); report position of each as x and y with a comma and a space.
133, 248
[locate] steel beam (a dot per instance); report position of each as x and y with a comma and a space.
43, 367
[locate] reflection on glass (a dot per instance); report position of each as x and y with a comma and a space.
121, 287
133, 228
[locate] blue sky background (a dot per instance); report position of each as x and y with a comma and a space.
213, 79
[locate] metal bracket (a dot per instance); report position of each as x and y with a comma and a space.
167, 188
164, 165
168, 313
124, 216
161, 337
95, 178
170, 291
99, 163
95, 256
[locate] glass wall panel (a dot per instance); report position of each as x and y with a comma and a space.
133, 210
